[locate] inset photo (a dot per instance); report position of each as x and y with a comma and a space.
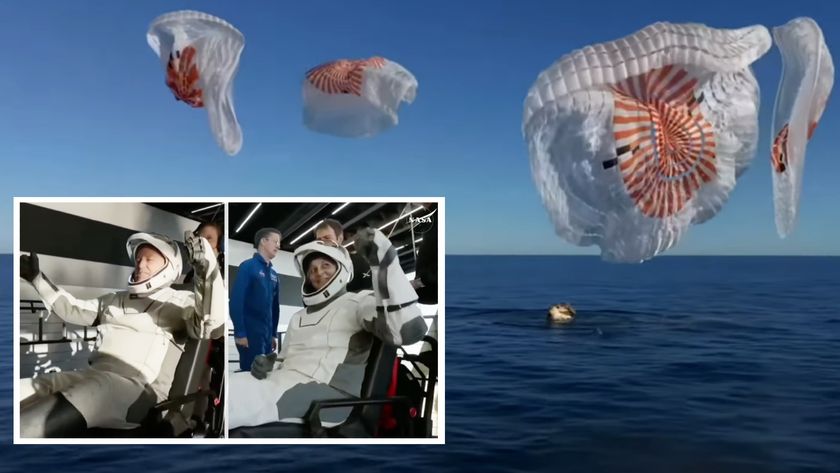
336, 319
120, 319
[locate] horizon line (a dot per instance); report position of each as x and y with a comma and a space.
598, 256
656, 257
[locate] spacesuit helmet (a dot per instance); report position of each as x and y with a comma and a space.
166, 275
305, 254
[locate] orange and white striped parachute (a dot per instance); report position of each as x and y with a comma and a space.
200, 54
807, 78
356, 98
632, 141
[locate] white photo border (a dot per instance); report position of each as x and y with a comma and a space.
441, 420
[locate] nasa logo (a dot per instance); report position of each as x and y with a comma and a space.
423, 223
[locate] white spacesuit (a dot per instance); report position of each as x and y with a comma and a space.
328, 342
142, 332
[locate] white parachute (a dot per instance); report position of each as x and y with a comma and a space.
634, 140
200, 55
356, 98
807, 78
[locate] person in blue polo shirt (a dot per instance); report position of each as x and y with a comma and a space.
255, 305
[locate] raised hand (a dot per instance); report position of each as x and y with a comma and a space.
29, 268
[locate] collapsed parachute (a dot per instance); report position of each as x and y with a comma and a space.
200, 54
356, 98
634, 140
807, 78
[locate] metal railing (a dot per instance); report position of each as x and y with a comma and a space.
36, 307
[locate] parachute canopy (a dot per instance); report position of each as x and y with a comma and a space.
807, 78
200, 55
356, 98
632, 141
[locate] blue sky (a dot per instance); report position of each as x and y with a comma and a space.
84, 112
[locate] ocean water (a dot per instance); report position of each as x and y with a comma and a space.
682, 364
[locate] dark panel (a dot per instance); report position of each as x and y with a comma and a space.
50, 232
55, 233
290, 290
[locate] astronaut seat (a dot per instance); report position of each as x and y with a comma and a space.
418, 384
180, 415
363, 420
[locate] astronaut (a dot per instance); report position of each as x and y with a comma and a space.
328, 341
141, 336
255, 300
